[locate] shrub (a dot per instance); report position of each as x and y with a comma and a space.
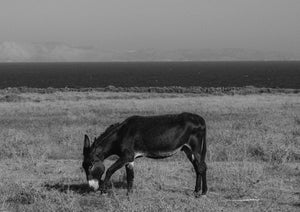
12, 98
257, 152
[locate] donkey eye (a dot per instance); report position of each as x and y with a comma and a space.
91, 167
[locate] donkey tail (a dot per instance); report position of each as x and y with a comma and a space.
204, 148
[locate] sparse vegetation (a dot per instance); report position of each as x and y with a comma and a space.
254, 152
246, 90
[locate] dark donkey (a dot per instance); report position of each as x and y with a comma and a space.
149, 136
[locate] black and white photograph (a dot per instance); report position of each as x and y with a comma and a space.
139, 105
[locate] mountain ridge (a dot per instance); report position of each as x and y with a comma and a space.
11, 51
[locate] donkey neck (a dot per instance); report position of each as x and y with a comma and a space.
103, 146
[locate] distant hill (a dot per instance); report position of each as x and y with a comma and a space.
61, 52
37, 52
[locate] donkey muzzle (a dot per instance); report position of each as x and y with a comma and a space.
94, 184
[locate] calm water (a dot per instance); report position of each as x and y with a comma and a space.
130, 74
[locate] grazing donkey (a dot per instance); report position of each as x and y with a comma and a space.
150, 136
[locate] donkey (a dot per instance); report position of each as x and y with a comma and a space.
149, 136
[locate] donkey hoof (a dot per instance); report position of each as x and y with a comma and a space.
104, 192
197, 194
129, 192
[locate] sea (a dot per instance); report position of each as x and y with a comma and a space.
267, 74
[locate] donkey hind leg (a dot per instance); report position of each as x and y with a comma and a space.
193, 160
200, 169
130, 176
204, 183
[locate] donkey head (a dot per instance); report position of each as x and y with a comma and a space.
92, 166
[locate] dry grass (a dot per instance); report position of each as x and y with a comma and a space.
254, 153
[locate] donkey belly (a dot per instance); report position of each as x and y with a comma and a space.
160, 145
158, 154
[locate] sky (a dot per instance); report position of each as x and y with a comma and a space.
269, 25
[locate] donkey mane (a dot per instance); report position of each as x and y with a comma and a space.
109, 130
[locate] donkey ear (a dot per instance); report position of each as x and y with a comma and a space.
87, 142
86, 146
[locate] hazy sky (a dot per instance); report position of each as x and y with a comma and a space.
159, 24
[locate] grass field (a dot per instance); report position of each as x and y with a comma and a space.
253, 153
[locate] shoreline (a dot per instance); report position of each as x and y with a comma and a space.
246, 90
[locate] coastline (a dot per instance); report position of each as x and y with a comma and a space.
169, 89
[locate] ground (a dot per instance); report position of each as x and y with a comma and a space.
253, 153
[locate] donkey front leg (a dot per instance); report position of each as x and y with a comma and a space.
130, 176
111, 170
